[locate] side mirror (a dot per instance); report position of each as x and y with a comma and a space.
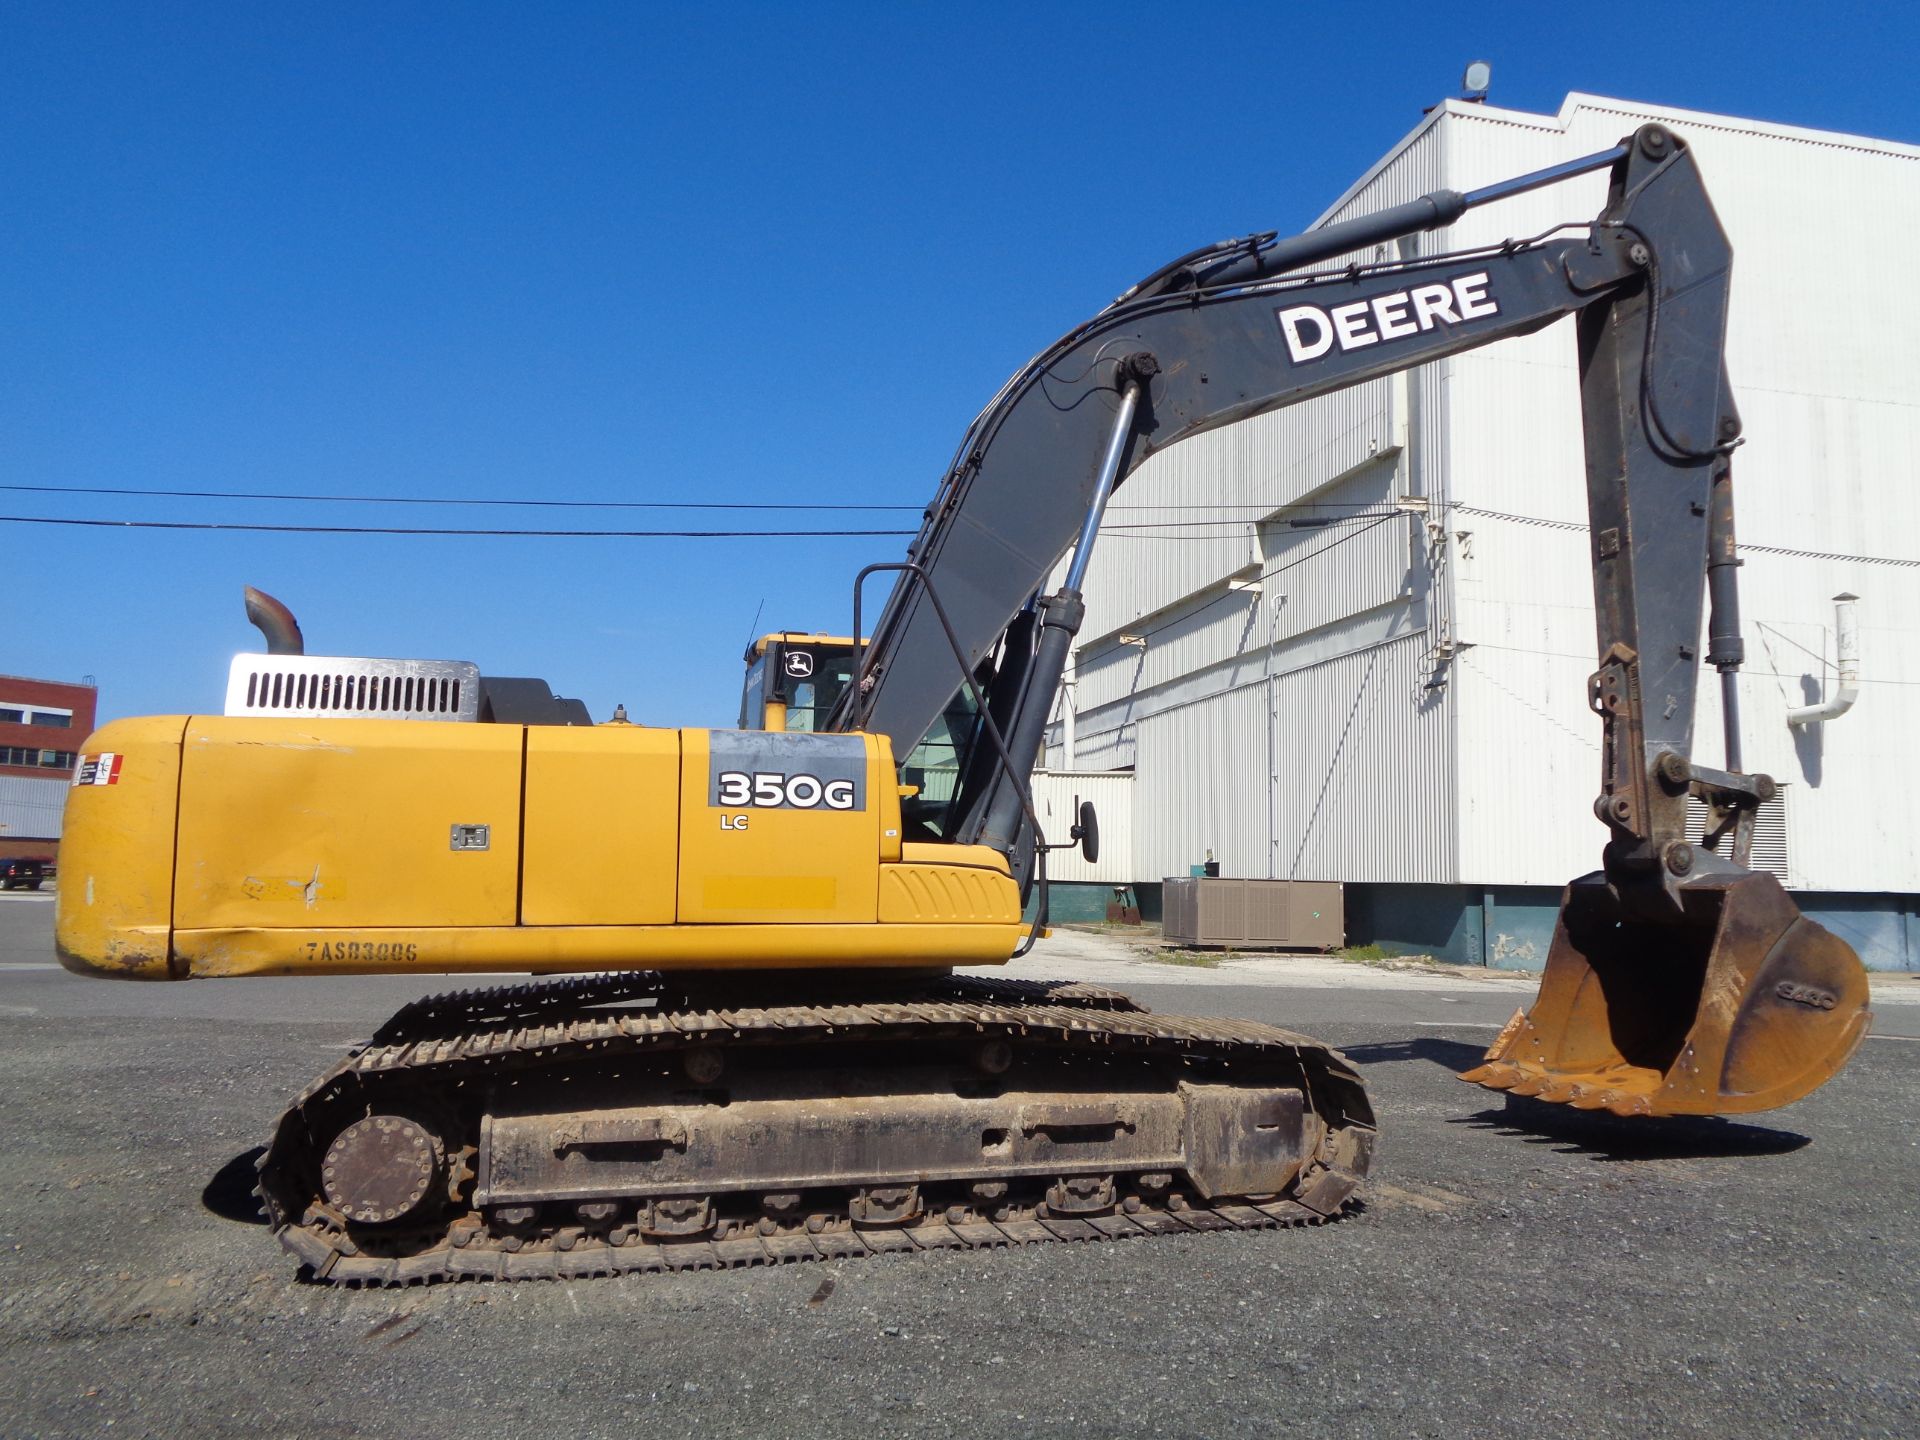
1087, 831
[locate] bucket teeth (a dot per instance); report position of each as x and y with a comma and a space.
1495, 1074
1586, 1092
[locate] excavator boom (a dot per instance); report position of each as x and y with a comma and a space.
1680, 980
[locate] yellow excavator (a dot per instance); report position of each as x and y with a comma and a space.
764, 1052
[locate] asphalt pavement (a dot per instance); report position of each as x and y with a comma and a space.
1515, 1268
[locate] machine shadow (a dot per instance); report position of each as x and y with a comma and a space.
229, 1194
1587, 1132
1447, 1054
1608, 1137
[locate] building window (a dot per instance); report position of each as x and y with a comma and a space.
12, 715
37, 759
55, 719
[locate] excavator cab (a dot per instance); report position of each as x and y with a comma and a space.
793, 681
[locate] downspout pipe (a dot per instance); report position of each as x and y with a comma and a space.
1846, 630
1067, 716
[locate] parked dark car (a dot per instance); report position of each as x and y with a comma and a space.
24, 874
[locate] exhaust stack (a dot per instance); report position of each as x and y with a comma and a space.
275, 621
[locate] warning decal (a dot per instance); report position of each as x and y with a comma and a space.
98, 769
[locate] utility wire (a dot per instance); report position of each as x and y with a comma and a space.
1152, 529
1587, 659
1375, 523
439, 499
1216, 528
1217, 513
436, 530
1544, 523
1132, 530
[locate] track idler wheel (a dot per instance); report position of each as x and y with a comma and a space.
1743, 1004
382, 1170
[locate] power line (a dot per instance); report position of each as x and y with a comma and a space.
1587, 659
1133, 530
448, 530
1544, 523
1152, 529
1218, 512
1374, 523
438, 499
1209, 529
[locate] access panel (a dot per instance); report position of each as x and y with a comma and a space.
779, 828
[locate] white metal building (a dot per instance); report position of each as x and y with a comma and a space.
1401, 701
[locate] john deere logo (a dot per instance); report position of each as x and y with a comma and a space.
798, 665
1311, 331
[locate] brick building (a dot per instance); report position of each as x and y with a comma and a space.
42, 726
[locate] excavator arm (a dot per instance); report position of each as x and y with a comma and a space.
1679, 981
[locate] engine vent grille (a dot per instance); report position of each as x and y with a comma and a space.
1769, 832
311, 686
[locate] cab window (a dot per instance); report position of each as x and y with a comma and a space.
753, 695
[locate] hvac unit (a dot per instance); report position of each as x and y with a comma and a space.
1265, 914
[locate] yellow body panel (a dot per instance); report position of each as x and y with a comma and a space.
981, 857
285, 847
748, 863
602, 825
944, 894
561, 949
116, 854
346, 823
802, 637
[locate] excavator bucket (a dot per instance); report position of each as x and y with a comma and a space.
1743, 1004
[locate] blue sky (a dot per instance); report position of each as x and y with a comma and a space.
754, 254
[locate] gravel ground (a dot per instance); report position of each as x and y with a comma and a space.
1516, 1267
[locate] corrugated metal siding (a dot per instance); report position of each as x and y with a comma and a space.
1202, 787
1054, 795
1309, 585
1203, 500
1855, 814
1825, 359
1771, 851
31, 809
1191, 710
1363, 790
1357, 787
1218, 625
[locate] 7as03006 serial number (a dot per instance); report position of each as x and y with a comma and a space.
364, 951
